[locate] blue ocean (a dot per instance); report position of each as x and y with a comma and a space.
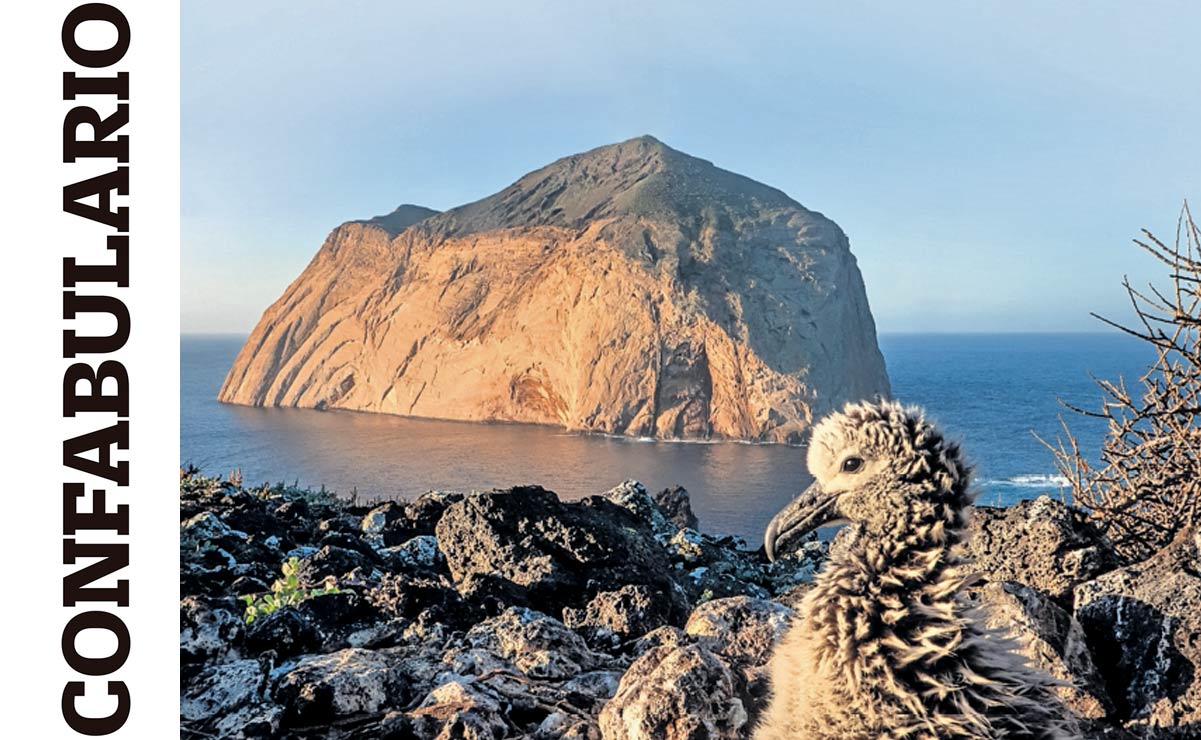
991, 391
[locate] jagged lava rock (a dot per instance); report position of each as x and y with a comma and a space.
743, 631
633, 495
631, 289
666, 636
524, 547
1040, 543
614, 617
321, 688
674, 693
458, 710
381, 521
208, 630
330, 561
740, 628
407, 596
1143, 623
1052, 640
541, 647
676, 505
221, 689
394, 523
285, 631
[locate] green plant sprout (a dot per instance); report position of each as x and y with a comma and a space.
285, 591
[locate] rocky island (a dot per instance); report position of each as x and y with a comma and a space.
631, 289
513, 614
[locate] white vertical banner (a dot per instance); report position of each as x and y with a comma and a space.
92, 371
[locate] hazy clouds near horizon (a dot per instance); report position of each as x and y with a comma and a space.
990, 164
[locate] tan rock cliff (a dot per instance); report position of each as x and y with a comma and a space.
631, 289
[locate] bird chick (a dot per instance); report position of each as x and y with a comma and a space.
886, 645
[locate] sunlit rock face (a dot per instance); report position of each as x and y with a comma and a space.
631, 290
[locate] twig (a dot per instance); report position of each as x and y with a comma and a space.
1147, 483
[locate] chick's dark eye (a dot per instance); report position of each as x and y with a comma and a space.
852, 464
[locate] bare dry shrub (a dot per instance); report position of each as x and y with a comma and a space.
1147, 482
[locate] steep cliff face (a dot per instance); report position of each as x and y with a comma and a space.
631, 289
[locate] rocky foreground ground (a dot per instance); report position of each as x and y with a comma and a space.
513, 614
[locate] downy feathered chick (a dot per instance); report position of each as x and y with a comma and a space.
886, 645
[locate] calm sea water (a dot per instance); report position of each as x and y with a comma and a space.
990, 391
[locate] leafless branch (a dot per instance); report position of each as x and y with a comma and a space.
1144, 484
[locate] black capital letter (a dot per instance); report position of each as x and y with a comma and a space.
74, 344
117, 272
95, 725
101, 186
95, 620
99, 145
95, 57
95, 399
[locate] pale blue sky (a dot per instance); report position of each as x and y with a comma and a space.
990, 161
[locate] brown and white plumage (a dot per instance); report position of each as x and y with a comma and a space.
886, 645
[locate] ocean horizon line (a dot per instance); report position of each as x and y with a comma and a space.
1102, 332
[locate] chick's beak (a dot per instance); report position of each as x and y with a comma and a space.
802, 515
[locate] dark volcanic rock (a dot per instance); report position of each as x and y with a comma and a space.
339, 522
633, 495
331, 561
349, 541
209, 629
740, 628
292, 511
668, 636
248, 586
677, 507
418, 553
250, 516
285, 631
712, 568
459, 709
438, 637
217, 559
424, 512
321, 623
613, 617
707, 567
1143, 623
743, 631
539, 646
221, 691
684, 692
206, 540
338, 614
322, 688
376, 520
525, 547
1040, 543
411, 596
793, 596
394, 523
1052, 640
388, 524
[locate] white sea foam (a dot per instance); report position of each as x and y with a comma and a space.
672, 440
1033, 480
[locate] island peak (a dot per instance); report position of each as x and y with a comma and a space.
629, 289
